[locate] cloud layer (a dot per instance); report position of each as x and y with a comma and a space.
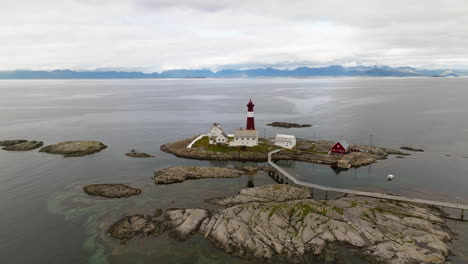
155, 35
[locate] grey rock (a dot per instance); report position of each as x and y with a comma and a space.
130, 226
24, 146
291, 230
185, 222
135, 154
267, 193
181, 173
6, 143
111, 190
74, 148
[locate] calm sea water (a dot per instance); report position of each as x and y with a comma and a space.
46, 218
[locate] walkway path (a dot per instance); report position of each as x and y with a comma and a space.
195, 140
292, 179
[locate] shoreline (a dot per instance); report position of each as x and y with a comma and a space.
312, 151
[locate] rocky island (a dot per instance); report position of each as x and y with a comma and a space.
411, 148
20, 145
136, 154
181, 173
282, 222
74, 148
314, 151
288, 125
111, 190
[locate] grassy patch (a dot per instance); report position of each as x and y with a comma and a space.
262, 147
338, 210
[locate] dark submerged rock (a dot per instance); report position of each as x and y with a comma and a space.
130, 226
410, 148
288, 125
111, 190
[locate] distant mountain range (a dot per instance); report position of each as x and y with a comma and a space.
336, 70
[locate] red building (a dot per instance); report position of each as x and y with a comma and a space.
341, 147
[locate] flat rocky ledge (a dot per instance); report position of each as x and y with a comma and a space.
111, 190
313, 151
281, 222
74, 148
288, 125
177, 174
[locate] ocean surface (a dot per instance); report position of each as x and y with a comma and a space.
46, 218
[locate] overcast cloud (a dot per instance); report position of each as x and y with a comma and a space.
155, 35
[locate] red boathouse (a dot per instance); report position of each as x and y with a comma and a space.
339, 148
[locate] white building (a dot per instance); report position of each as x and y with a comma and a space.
285, 141
244, 137
217, 135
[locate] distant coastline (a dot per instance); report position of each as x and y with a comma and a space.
330, 71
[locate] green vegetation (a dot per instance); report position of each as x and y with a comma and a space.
338, 209
262, 147
393, 211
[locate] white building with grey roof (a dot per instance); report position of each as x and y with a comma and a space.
285, 141
244, 137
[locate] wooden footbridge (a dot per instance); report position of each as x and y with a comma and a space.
282, 176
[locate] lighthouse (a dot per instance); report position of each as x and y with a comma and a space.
250, 116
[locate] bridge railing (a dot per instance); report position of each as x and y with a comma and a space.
327, 189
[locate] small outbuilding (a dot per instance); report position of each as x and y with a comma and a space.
244, 137
285, 141
339, 148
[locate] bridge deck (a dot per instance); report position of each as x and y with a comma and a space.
360, 193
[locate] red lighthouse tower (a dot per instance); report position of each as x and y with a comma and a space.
250, 116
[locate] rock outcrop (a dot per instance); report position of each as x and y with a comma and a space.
135, 154
288, 125
411, 148
24, 146
185, 222
181, 173
74, 148
111, 190
6, 143
130, 226
280, 222
294, 230
267, 193
181, 223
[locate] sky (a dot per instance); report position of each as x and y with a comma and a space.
158, 35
